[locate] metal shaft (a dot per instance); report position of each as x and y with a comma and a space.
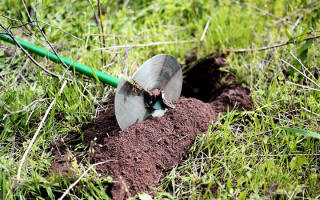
103, 77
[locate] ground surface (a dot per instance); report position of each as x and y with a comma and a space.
242, 154
145, 152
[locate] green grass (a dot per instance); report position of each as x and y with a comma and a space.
242, 155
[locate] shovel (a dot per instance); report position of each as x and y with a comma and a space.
153, 88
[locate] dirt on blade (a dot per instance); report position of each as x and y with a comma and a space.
145, 152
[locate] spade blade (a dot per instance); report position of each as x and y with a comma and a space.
129, 104
161, 72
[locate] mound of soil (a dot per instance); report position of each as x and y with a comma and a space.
145, 152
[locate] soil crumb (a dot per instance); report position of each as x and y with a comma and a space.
145, 152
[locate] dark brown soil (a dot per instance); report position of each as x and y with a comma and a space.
144, 153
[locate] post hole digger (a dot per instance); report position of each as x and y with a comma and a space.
153, 88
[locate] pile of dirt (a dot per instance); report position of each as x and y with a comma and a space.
145, 152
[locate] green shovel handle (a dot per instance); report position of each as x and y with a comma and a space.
103, 77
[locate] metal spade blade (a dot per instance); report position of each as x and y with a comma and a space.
160, 72
129, 104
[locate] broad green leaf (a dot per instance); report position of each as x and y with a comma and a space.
11, 139
144, 196
49, 192
305, 46
301, 132
289, 35
297, 162
243, 195
303, 50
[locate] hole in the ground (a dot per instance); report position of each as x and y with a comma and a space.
202, 78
